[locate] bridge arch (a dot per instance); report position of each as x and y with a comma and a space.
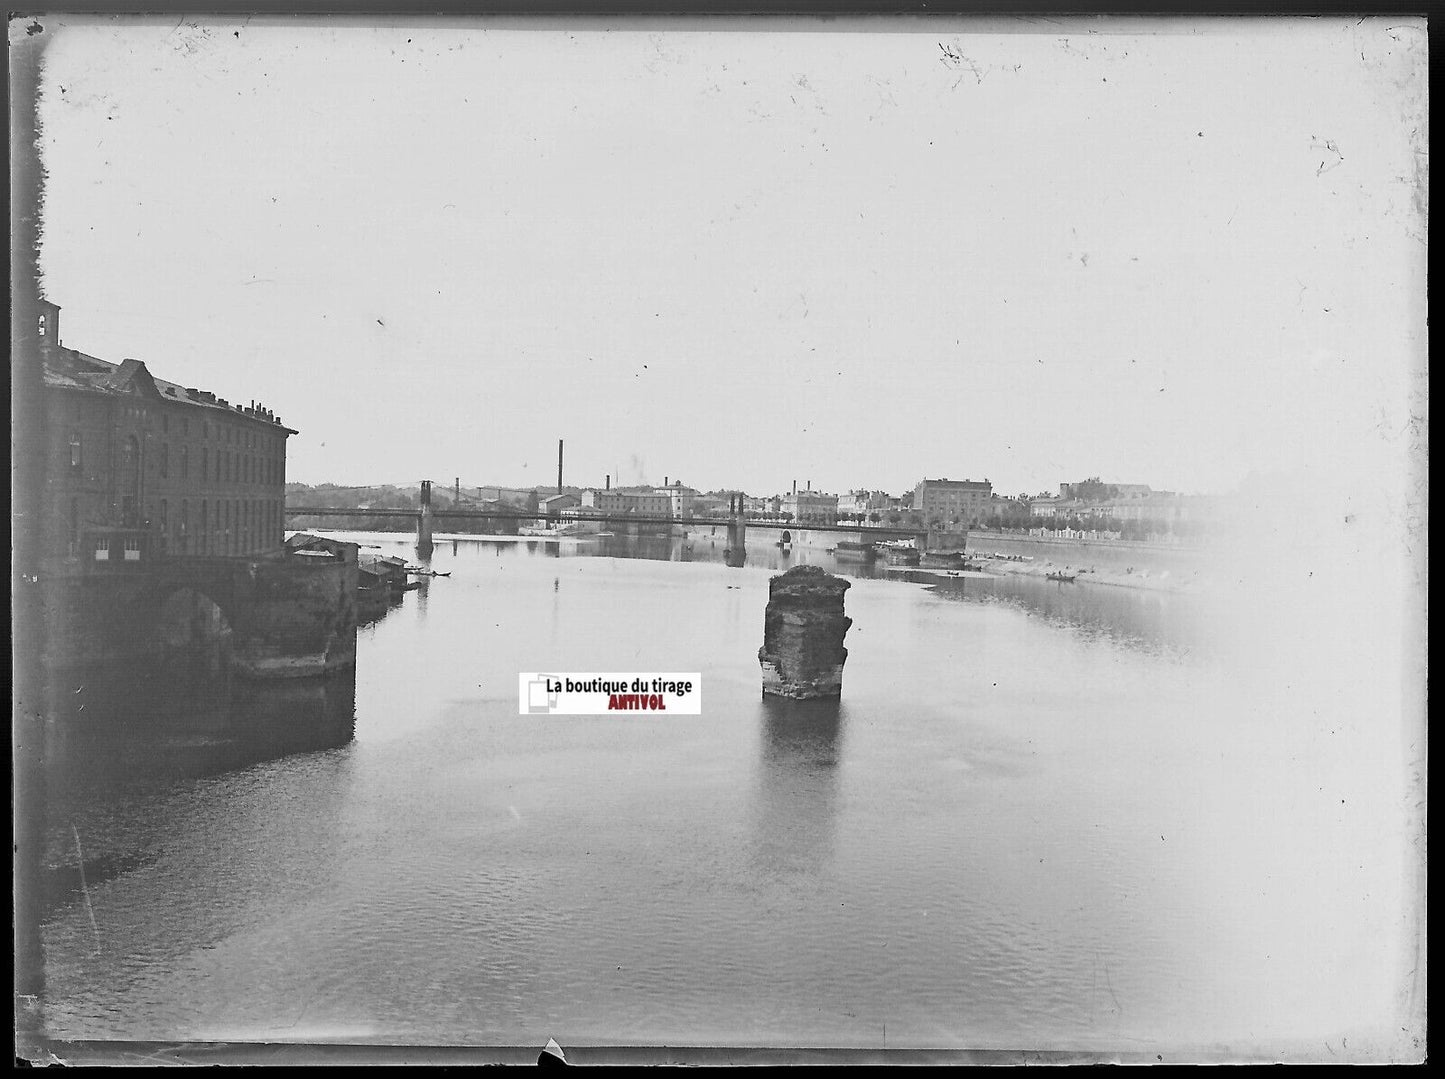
186, 616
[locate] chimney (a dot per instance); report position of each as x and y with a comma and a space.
795, 487
559, 466
609, 481
664, 482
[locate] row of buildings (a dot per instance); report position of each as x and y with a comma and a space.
941, 502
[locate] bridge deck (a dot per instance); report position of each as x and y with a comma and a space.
601, 518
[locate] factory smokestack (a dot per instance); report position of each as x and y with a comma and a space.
559, 466
795, 487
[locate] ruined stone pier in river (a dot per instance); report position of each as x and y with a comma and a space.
802, 654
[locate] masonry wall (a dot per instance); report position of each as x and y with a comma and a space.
202, 480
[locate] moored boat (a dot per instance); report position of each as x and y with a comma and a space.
943, 559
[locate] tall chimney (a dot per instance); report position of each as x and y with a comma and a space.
559, 466
664, 481
609, 481
795, 487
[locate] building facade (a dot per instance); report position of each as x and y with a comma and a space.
811, 507
637, 501
142, 469
965, 501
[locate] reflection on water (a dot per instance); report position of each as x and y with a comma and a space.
796, 802
123, 740
1039, 816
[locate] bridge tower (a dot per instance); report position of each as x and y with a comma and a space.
737, 550
424, 522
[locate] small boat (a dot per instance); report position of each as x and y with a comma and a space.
1064, 577
851, 549
418, 571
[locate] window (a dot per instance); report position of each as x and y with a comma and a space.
41, 326
201, 535
185, 462
74, 543
102, 549
205, 461
165, 423
75, 457
132, 550
165, 459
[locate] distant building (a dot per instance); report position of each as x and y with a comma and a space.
512, 496
863, 502
1043, 507
549, 509
680, 499
964, 501
635, 501
811, 507
140, 468
1095, 490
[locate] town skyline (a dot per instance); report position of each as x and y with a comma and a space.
743, 258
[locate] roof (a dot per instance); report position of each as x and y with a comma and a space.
973, 484
66, 368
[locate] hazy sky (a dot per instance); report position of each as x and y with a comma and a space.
1168, 252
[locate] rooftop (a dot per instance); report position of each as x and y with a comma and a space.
67, 368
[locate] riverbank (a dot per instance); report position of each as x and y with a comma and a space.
1159, 581
1153, 567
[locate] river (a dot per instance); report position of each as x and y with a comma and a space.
1043, 816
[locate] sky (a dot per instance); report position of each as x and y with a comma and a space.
851, 254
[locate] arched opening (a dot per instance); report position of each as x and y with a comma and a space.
182, 670
189, 617
787, 536
193, 635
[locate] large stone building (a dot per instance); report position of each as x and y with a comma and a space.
963, 501
811, 507
139, 469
